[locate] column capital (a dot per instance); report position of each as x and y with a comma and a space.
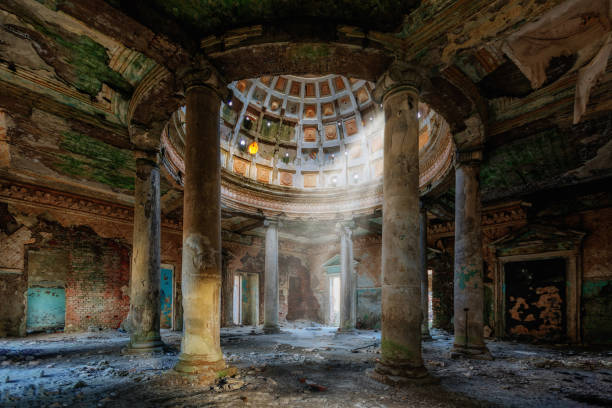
201, 73
345, 227
272, 222
149, 157
471, 157
146, 137
400, 76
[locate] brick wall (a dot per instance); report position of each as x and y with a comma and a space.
93, 270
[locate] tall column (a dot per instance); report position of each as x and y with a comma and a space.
423, 269
227, 291
468, 288
401, 360
271, 277
145, 302
347, 279
201, 264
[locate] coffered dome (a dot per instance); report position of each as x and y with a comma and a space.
310, 136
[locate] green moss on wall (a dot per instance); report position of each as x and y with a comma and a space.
94, 160
597, 312
529, 162
89, 61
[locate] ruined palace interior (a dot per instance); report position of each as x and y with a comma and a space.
262, 203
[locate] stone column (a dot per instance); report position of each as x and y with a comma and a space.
468, 288
423, 269
201, 264
401, 360
145, 303
271, 277
347, 279
227, 291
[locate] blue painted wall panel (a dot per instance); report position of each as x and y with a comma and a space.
165, 293
46, 309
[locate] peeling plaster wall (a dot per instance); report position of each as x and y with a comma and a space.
88, 256
293, 263
596, 254
596, 304
93, 270
442, 288
367, 253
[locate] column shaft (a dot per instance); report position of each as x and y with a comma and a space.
468, 288
271, 278
227, 293
201, 273
145, 302
401, 287
423, 269
347, 284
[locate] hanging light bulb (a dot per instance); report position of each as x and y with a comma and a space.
230, 103
253, 148
242, 143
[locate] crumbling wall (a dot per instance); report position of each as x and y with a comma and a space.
13, 283
247, 256
93, 270
367, 252
596, 302
318, 255
296, 277
442, 288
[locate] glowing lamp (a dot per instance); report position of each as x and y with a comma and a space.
253, 148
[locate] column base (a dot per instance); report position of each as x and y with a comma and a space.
401, 375
271, 329
342, 330
187, 373
144, 348
473, 352
199, 365
425, 334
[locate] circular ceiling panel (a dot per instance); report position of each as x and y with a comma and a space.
311, 136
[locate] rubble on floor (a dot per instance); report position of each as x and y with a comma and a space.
299, 367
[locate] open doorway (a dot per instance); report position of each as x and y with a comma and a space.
246, 299
237, 296
334, 300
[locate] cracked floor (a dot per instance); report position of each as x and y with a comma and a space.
304, 366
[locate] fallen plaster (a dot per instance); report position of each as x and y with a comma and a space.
303, 366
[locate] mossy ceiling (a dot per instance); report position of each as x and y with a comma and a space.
202, 17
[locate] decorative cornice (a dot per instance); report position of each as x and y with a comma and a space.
72, 203
468, 157
496, 217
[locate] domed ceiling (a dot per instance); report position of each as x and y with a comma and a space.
309, 136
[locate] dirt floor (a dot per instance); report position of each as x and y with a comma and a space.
304, 366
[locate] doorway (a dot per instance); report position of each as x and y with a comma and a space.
535, 298
246, 299
46, 309
334, 300
237, 300
166, 289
